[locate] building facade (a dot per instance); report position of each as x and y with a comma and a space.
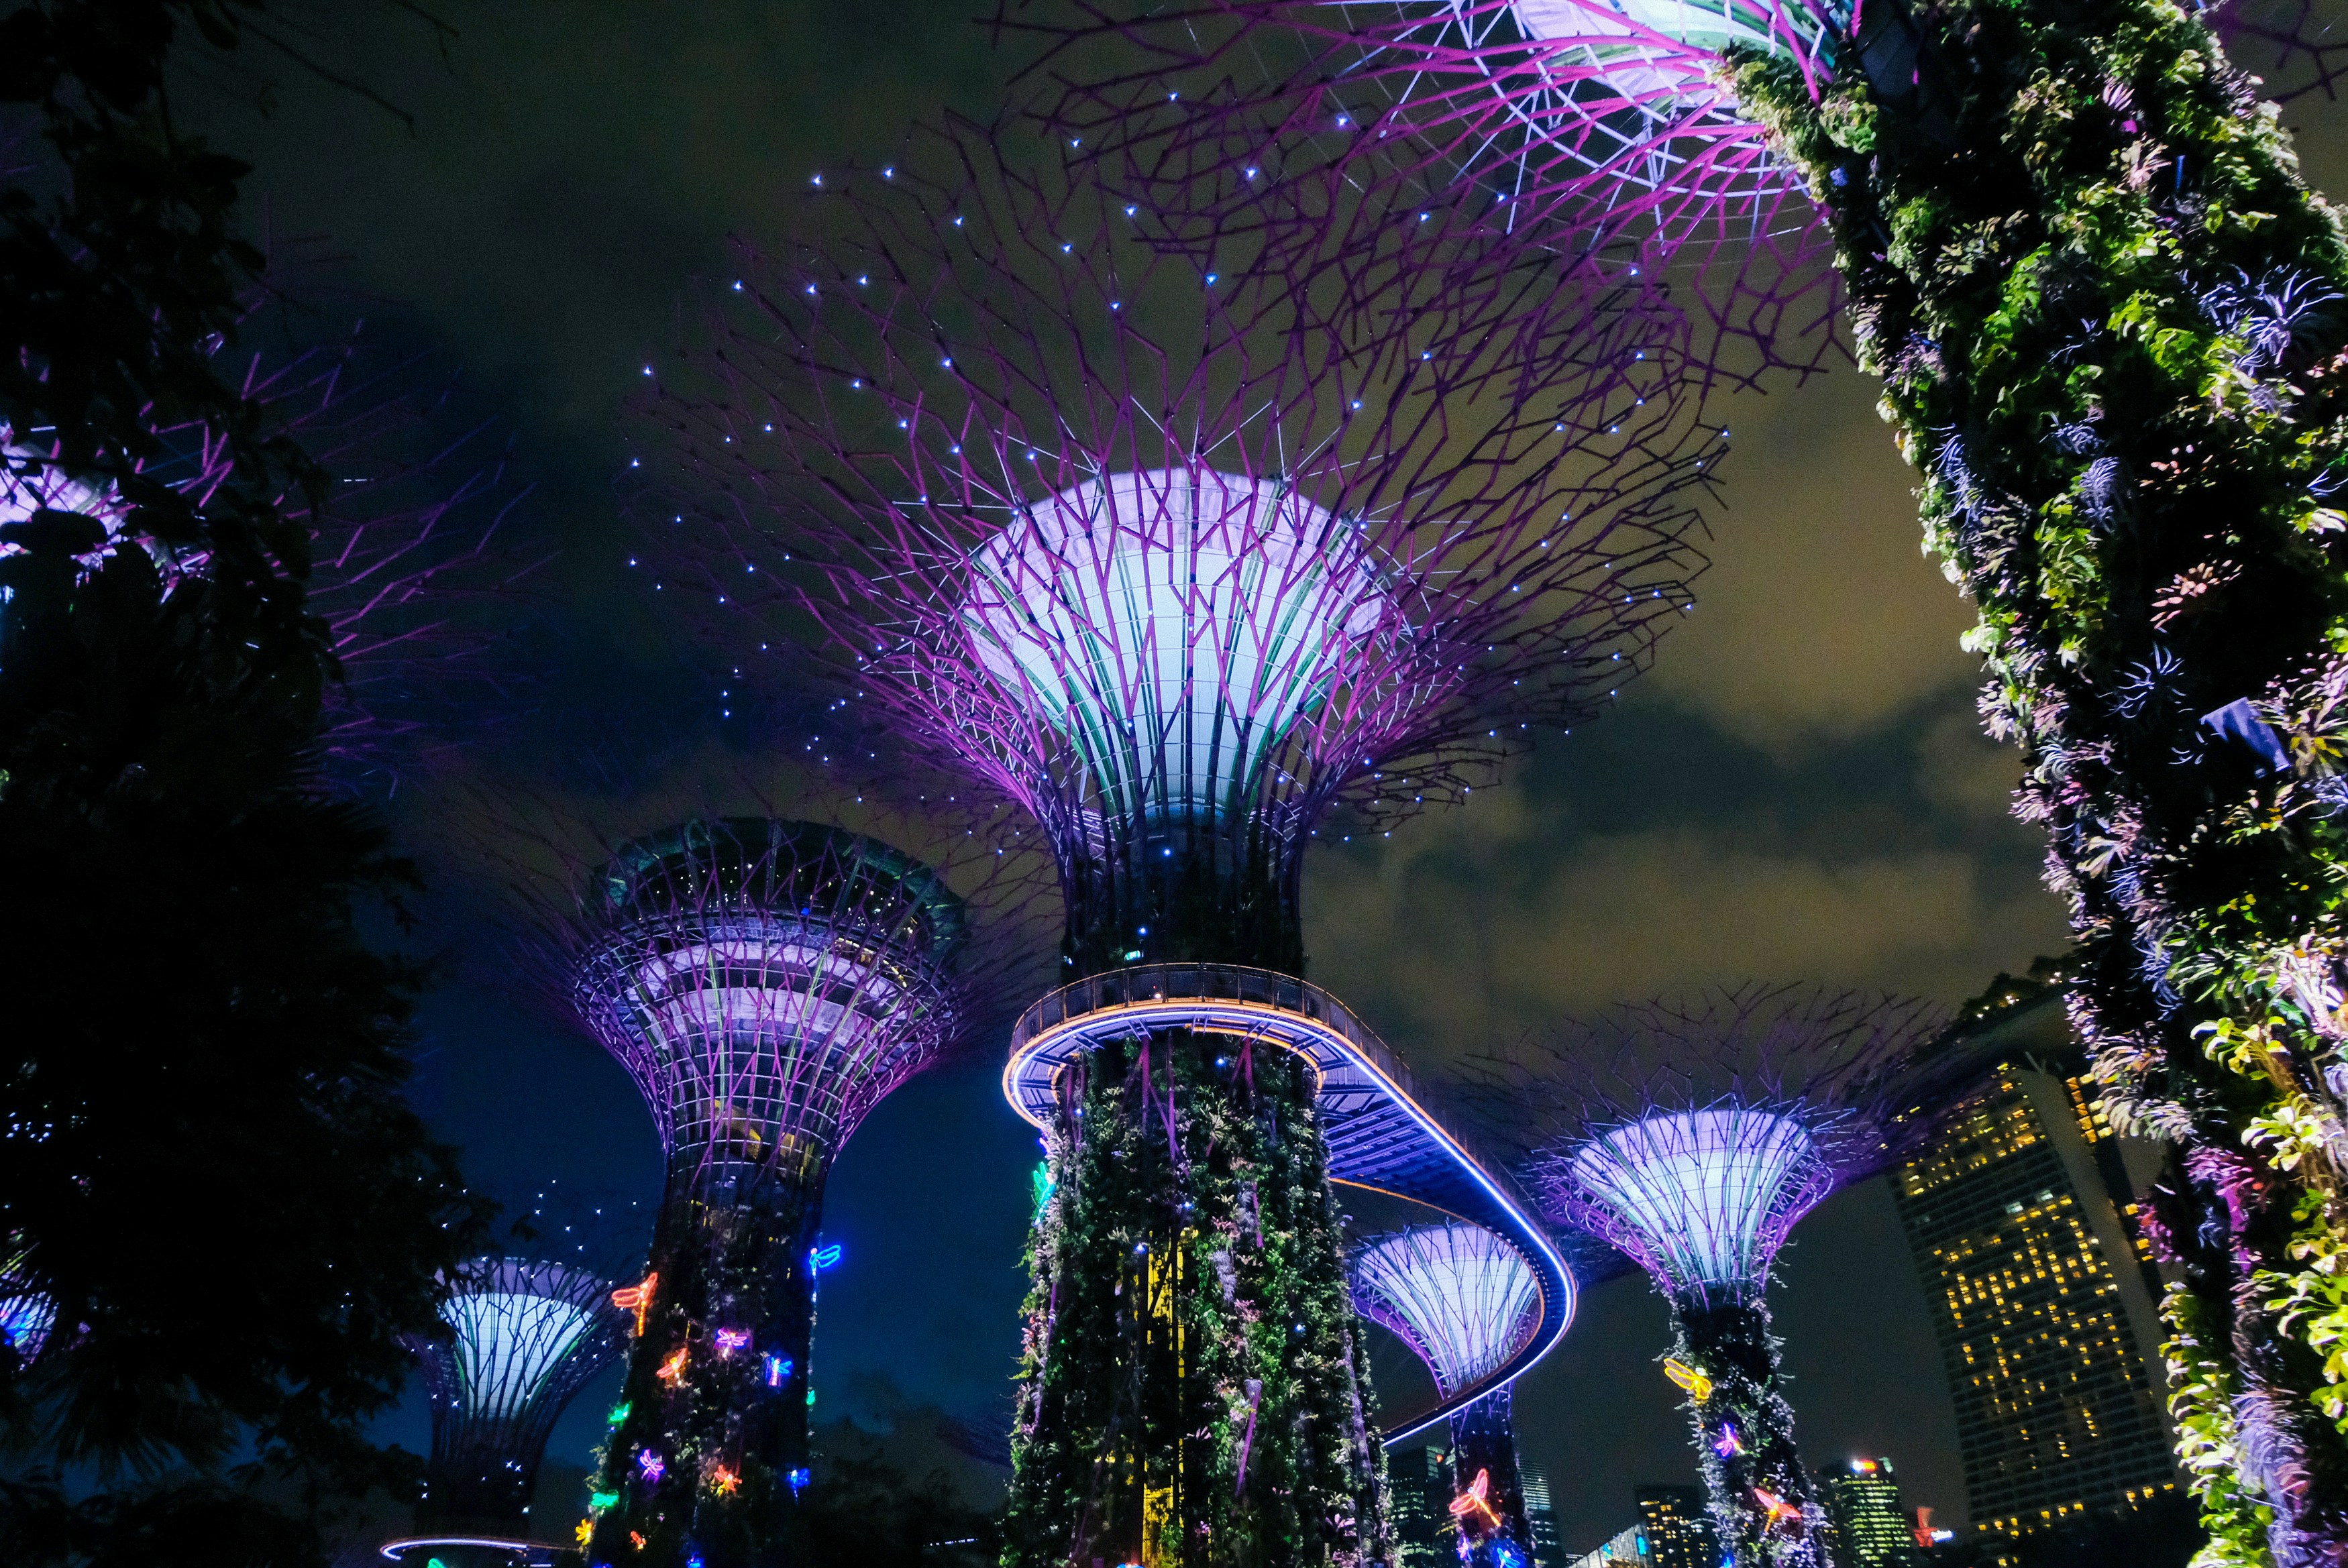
1871, 1530
1541, 1517
1677, 1526
2021, 1220
1418, 1486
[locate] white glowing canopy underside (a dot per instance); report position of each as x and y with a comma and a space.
508, 1345
1461, 1296
1174, 625
1660, 77
767, 1026
28, 482
1704, 1198
1710, 25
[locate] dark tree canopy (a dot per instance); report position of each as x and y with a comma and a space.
207, 1170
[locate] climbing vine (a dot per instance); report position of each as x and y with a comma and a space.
1193, 1389
1763, 1503
2109, 319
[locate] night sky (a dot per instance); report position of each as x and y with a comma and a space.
1798, 791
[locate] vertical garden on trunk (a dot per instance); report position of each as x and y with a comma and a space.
2109, 320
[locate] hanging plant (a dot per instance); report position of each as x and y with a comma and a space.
2109, 319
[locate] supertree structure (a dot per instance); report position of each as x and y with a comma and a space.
766, 983
1691, 1136
1132, 547
2107, 313
523, 1337
1582, 134
402, 543
28, 1315
1465, 1301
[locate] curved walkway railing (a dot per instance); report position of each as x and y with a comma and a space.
1380, 1133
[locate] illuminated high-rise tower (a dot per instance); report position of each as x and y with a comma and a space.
1676, 1526
1418, 1510
1541, 1517
523, 1337
2021, 1217
1466, 1301
1128, 548
1870, 1529
1693, 1138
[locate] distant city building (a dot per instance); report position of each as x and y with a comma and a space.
1540, 1516
1678, 1527
1674, 1531
1871, 1531
2042, 1295
1629, 1547
1418, 1483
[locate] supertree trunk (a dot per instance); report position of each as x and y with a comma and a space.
1484, 1444
1763, 1505
1192, 1391
2108, 317
710, 1449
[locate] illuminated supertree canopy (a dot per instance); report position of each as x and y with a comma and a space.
1175, 578
1136, 549
28, 1315
1465, 1300
1692, 1137
403, 545
765, 982
523, 1337
2106, 309
1587, 134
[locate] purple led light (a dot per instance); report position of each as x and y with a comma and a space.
1691, 1136
1147, 609
1456, 1294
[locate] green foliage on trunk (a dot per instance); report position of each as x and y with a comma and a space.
1194, 1388
2108, 317
725, 1440
1743, 1431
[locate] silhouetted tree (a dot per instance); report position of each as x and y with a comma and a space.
217, 1214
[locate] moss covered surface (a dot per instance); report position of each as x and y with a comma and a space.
2108, 317
1194, 1389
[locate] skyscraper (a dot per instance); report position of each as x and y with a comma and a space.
2042, 1295
1418, 1483
1676, 1525
1541, 1517
1870, 1529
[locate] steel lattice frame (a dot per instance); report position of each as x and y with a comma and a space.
1711, 1125
524, 1336
410, 536
1456, 1294
1581, 135
28, 1316
766, 983
1466, 1302
1168, 561
1691, 1136
1021, 471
